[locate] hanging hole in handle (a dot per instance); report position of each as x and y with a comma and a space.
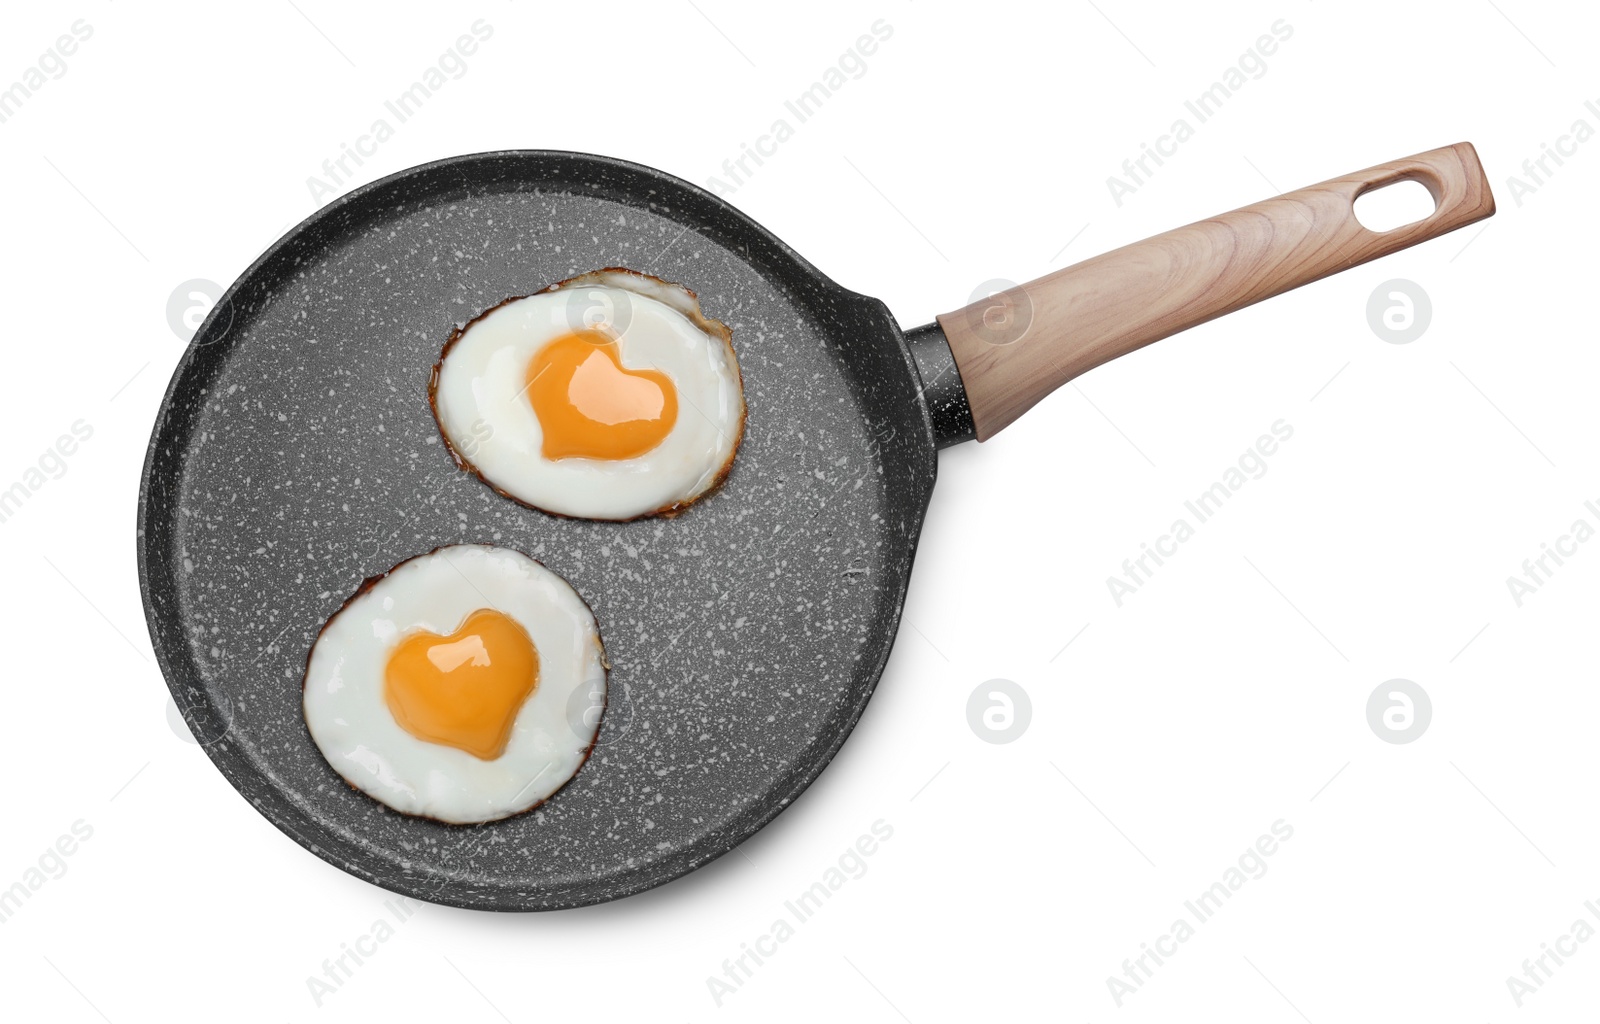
1394, 205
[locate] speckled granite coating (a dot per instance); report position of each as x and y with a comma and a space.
296, 456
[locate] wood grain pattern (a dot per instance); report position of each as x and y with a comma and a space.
1019, 345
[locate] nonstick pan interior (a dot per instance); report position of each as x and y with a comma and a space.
295, 456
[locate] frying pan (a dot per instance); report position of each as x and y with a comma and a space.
295, 456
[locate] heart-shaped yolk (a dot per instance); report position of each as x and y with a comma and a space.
590, 407
463, 690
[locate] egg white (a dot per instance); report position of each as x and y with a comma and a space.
352, 725
480, 399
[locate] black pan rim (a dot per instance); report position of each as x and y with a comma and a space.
326, 843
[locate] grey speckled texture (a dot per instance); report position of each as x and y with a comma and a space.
296, 456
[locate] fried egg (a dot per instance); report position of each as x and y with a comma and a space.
465, 685
607, 396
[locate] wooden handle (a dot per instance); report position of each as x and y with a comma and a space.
1019, 345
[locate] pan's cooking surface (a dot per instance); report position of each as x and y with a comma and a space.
296, 456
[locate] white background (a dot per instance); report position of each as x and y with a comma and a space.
1230, 692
